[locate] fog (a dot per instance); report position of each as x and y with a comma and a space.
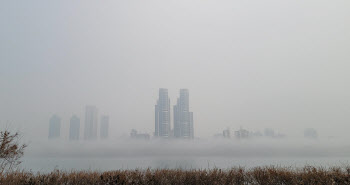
183, 154
128, 148
251, 64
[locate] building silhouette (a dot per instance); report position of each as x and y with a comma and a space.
310, 133
135, 135
54, 127
183, 118
269, 132
104, 127
91, 119
74, 128
162, 115
242, 134
226, 133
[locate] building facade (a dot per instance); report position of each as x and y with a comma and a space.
162, 115
104, 127
91, 119
54, 127
183, 118
74, 128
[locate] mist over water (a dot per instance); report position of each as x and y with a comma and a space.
183, 148
184, 154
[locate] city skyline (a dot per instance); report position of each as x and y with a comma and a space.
182, 117
92, 129
182, 120
182, 123
244, 68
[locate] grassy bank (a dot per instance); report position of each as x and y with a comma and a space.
260, 175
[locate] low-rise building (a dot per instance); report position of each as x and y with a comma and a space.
135, 135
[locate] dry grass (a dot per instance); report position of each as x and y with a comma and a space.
259, 175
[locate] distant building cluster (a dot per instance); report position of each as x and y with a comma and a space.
246, 134
242, 134
135, 135
226, 133
182, 123
310, 133
90, 126
183, 118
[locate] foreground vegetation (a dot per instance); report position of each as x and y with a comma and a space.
260, 175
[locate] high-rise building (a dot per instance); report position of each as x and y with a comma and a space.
91, 119
54, 127
74, 128
183, 118
162, 115
104, 127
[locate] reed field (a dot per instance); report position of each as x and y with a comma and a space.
239, 175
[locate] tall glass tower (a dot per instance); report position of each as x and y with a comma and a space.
162, 115
183, 118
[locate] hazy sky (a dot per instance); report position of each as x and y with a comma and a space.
256, 64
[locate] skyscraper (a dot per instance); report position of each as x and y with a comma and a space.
162, 114
74, 128
183, 118
91, 119
54, 127
104, 127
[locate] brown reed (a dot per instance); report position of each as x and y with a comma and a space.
237, 176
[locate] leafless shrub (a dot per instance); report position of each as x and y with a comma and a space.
10, 151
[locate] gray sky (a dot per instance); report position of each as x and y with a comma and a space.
256, 64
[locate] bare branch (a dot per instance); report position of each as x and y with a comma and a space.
11, 150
